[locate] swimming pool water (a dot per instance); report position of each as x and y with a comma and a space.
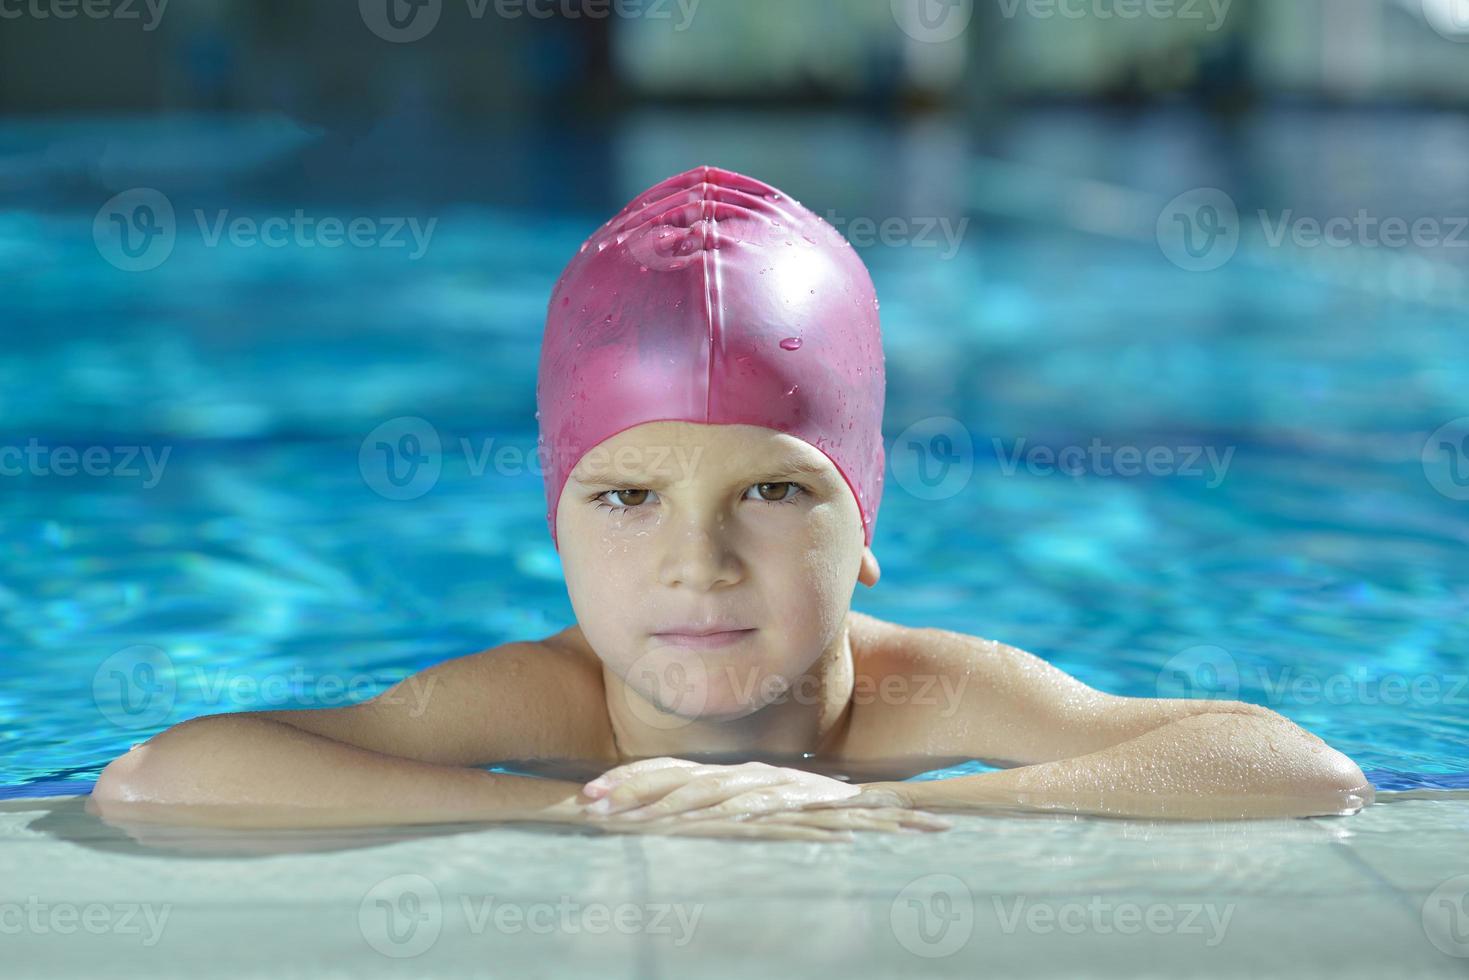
1314, 562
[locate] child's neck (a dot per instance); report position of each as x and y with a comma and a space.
805, 722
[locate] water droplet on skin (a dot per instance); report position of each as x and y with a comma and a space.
791, 343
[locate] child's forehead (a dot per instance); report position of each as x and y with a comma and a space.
675, 451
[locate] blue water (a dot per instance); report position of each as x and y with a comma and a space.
1321, 572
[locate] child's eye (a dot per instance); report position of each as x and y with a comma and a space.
621, 501
639, 496
785, 498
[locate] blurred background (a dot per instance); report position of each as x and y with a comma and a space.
281, 268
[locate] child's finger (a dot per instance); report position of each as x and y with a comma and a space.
749, 829
605, 782
917, 819
705, 791
641, 788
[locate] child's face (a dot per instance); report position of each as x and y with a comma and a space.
712, 532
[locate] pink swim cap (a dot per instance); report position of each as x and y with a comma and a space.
715, 298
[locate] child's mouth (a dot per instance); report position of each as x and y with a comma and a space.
706, 641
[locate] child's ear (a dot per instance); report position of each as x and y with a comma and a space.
870, 572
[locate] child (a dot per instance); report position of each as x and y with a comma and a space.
710, 402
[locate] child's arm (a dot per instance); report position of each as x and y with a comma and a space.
249, 771
403, 756
1080, 749
1208, 765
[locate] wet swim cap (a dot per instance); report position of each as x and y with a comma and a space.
715, 298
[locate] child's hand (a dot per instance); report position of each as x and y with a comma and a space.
662, 787
809, 825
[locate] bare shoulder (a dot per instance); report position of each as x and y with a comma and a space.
880, 647
890, 648
531, 699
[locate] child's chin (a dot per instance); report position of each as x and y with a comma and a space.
727, 706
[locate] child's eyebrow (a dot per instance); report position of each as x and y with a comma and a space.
780, 471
